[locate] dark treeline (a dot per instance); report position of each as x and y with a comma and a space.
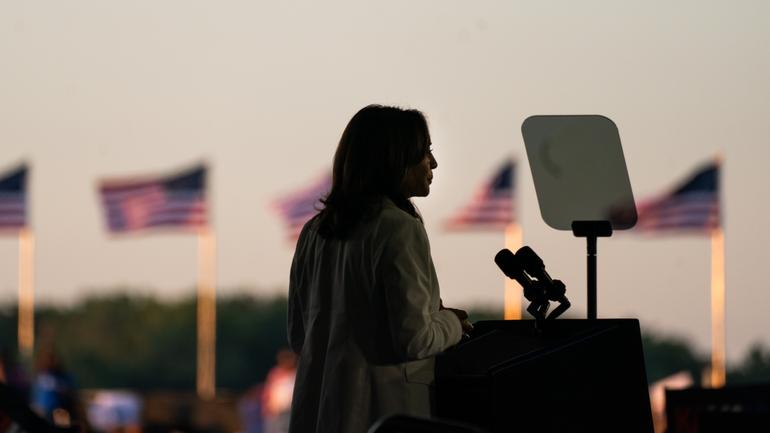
142, 343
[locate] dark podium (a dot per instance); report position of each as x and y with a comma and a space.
567, 376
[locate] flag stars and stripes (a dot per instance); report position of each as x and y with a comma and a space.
694, 206
299, 206
176, 201
13, 200
492, 206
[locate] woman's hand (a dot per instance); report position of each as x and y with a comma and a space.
462, 316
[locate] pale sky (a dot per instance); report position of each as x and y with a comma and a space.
262, 91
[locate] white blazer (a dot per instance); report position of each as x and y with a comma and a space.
364, 317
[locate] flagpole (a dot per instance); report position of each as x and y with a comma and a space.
26, 325
717, 308
512, 294
206, 323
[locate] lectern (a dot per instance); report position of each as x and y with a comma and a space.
566, 376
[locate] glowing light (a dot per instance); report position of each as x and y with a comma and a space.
513, 291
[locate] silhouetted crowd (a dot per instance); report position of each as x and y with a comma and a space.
47, 400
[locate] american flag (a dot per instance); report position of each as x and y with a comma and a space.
692, 206
13, 200
492, 207
299, 206
177, 201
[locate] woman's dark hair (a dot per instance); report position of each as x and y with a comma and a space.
377, 147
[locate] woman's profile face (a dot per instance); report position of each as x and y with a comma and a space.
416, 182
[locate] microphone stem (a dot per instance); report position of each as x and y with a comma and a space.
591, 271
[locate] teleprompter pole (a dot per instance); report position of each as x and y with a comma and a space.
591, 230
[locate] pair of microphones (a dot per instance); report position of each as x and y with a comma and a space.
528, 269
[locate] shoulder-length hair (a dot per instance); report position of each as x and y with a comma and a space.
377, 147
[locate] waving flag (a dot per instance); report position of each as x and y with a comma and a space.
692, 206
13, 200
175, 201
298, 207
492, 207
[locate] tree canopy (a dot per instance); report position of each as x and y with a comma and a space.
143, 343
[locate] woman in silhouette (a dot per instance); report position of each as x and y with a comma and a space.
365, 316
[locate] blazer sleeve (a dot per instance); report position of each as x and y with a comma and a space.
418, 328
295, 316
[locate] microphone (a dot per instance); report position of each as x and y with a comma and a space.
555, 289
527, 268
533, 264
512, 267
